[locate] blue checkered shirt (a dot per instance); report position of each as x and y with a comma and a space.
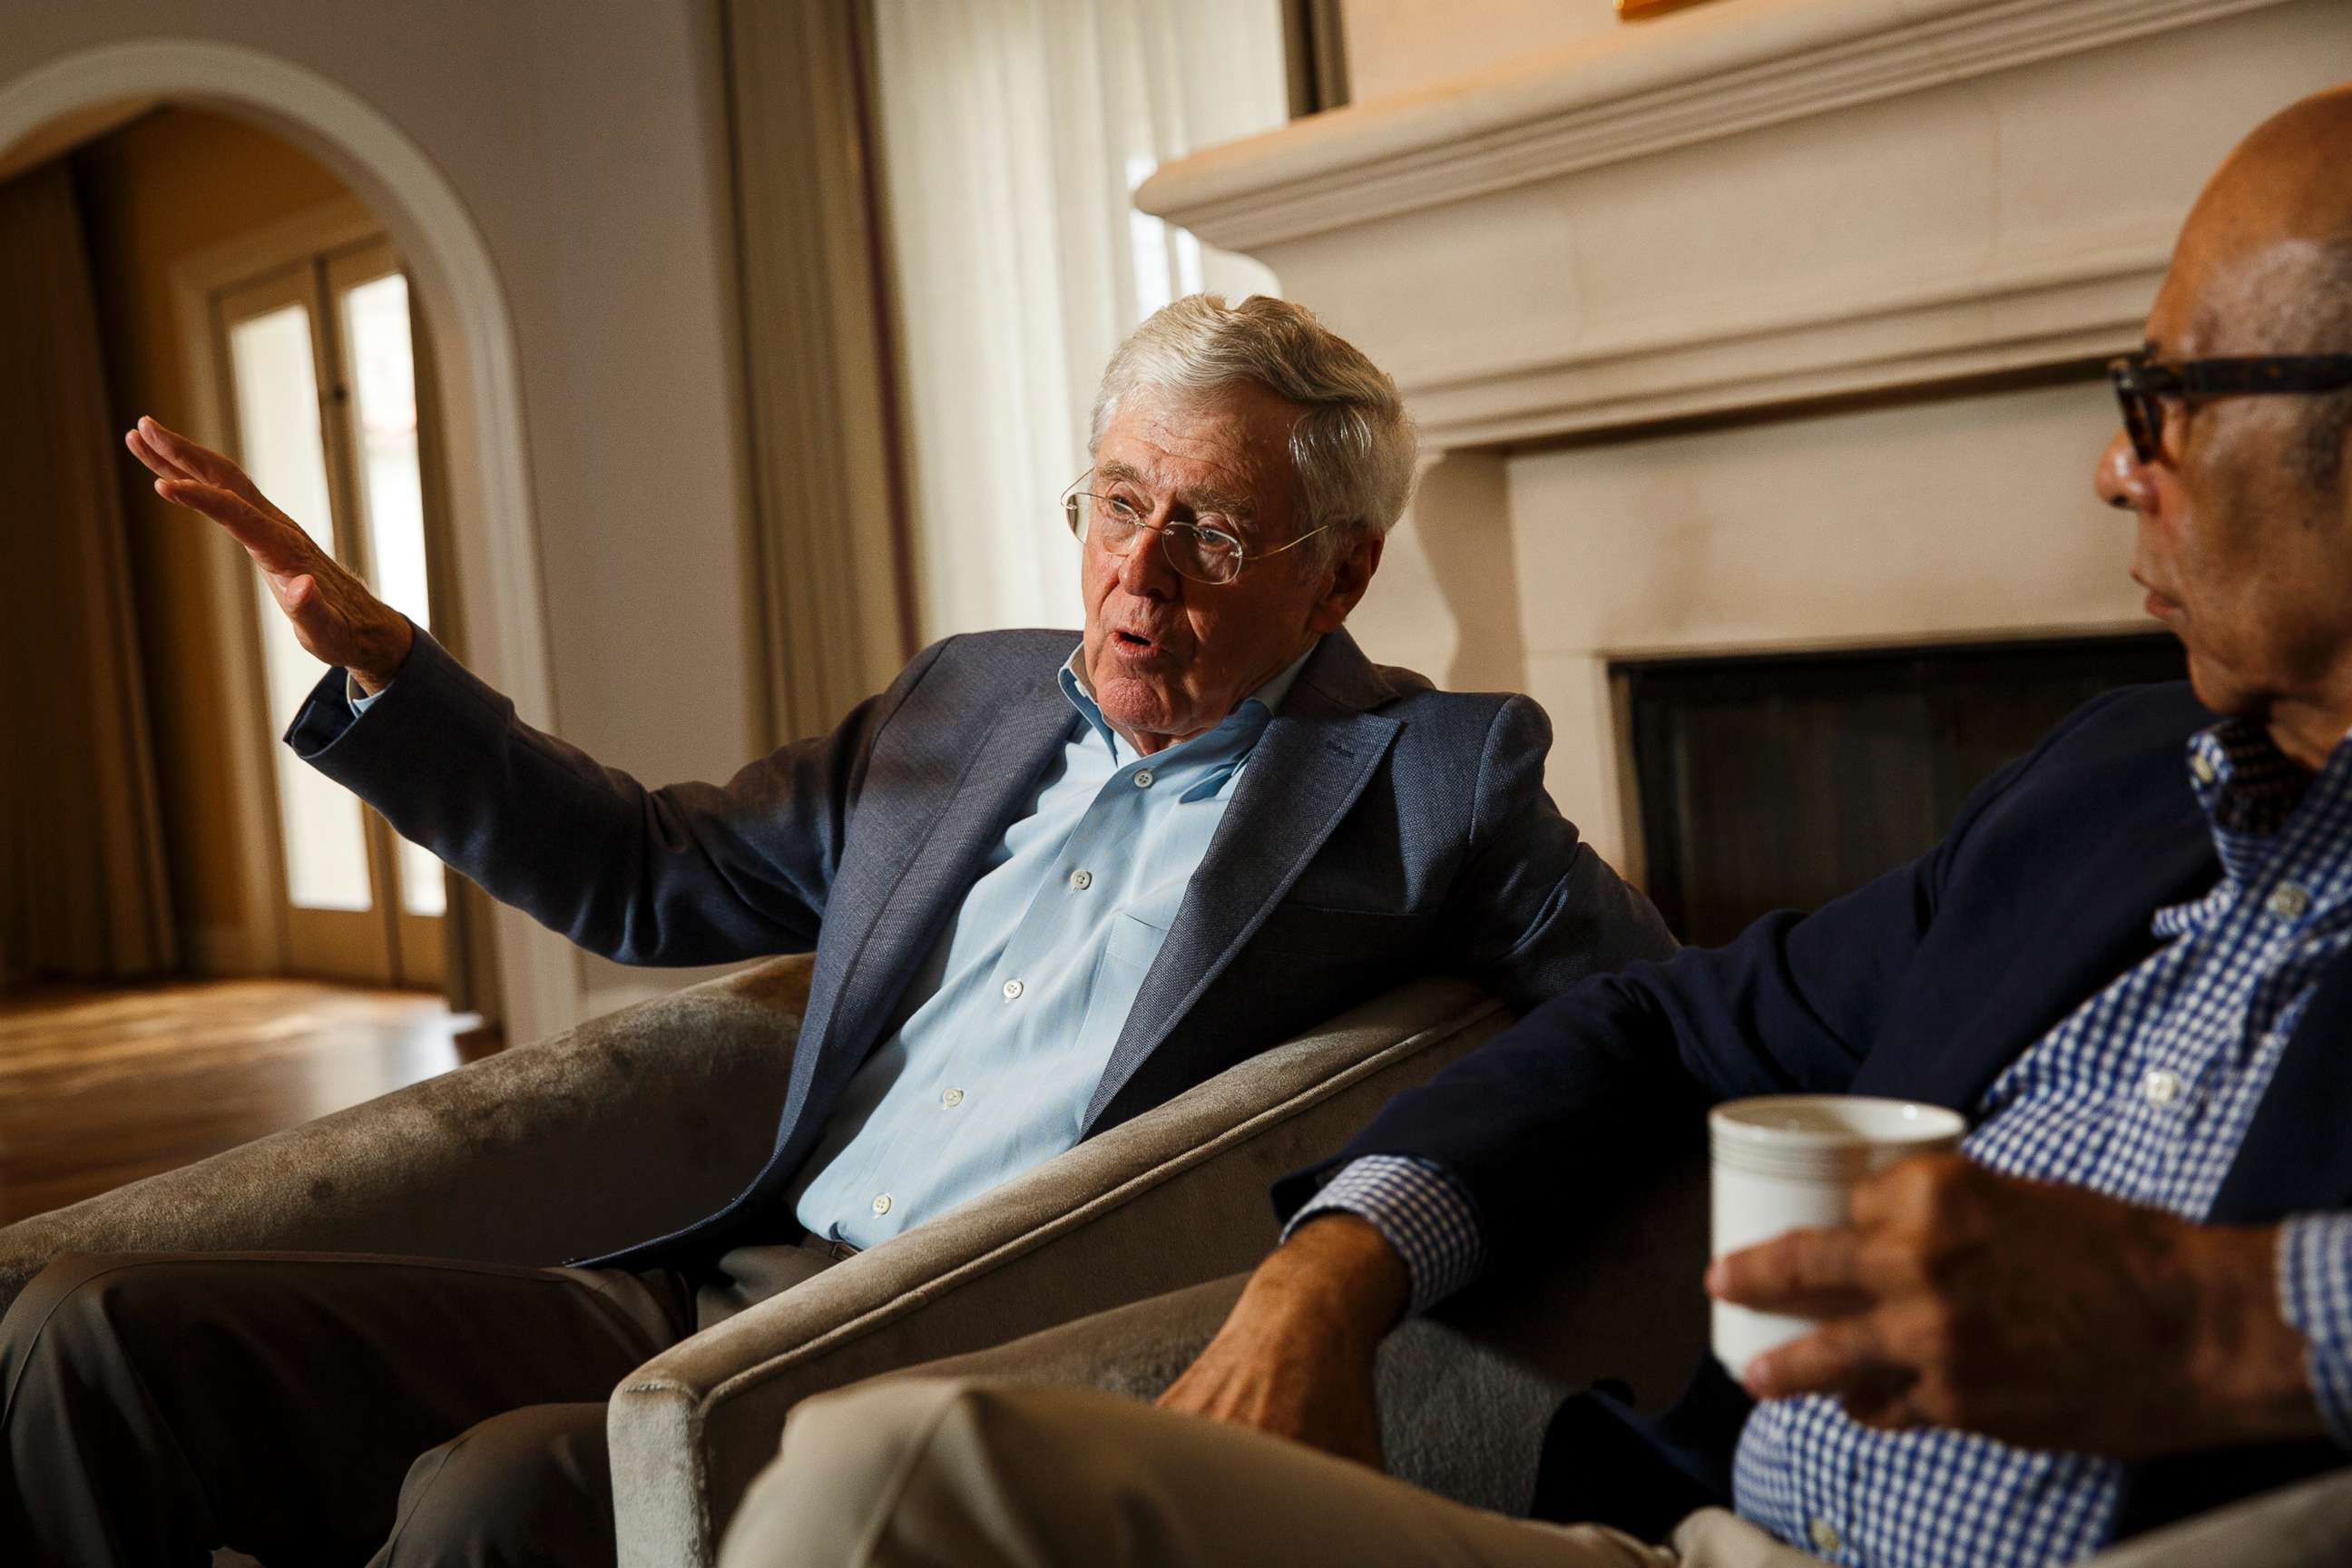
2143, 1093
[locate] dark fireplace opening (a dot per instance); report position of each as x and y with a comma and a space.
1781, 780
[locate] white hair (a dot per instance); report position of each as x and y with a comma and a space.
1351, 451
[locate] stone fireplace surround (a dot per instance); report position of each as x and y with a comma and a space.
1768, 325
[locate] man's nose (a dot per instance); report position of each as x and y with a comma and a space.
1145, 573
2121, 479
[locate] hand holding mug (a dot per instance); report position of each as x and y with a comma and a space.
2043, 1315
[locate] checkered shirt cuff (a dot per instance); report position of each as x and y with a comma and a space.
2315, 1286
1419, 1208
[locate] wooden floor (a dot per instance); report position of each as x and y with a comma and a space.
100, 1087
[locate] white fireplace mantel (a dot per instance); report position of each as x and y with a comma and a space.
1757, 202
1807, 213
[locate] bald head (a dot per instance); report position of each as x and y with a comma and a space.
2242, 514
2269, 239
2289, 177
2264, 262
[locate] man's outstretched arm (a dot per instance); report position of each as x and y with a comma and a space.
685, 874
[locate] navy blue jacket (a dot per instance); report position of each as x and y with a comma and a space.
1923, 984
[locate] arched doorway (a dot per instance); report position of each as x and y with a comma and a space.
472, 352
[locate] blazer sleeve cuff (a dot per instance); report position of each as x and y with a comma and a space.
434, 697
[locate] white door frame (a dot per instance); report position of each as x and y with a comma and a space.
495, 535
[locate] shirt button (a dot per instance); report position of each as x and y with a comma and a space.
882, 1203
1012, 989
2202, 766
1082, 881
2288, 901
1143, 778
1824, 1536
951, 1098
2161, 1087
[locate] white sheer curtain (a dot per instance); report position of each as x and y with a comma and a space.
1014, 132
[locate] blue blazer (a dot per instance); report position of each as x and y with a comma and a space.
1382, 830
1924, 984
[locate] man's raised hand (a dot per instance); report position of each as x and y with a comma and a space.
332, 612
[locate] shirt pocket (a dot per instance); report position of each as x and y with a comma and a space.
1129, 946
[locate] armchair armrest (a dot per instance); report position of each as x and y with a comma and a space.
1173, 1197
538, 1152
1467, 1393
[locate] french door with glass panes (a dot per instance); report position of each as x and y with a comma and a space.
322, 404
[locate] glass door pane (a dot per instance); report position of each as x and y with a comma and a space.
381, 374
273, 363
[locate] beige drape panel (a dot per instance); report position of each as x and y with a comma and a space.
823, 504
82, 888
1014, 134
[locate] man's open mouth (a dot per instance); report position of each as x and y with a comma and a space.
1132, 640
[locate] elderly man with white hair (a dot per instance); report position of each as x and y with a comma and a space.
1051, 879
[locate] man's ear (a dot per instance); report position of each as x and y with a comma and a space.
1350, 575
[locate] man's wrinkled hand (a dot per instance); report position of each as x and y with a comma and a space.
2045, 1316
333, 615
1295, 1357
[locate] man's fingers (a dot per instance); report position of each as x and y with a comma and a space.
146, 452
1810, 1273
196, 460
1836, 1358
274, 544
1881, 1398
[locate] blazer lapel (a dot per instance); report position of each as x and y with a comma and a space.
909, 903
1308, 771
2296, 1154
2094, 925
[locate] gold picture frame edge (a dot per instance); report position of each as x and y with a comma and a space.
1643, 10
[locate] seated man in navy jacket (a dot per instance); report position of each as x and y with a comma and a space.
2129, 963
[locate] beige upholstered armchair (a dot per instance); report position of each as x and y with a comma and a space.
512, 1159
1465, 1394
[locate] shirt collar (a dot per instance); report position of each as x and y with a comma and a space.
2245, 783
1246, 722
2268, 817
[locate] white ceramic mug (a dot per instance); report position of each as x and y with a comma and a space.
1790, 1162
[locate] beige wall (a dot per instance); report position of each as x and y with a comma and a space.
154, 193
586, 141
1403, 45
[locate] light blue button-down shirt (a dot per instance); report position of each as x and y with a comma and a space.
1010, 1023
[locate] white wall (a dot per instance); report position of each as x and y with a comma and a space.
586, 139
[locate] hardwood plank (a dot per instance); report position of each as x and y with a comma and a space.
99, 1087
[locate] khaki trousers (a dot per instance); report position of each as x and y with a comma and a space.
910, 1471
333, 1408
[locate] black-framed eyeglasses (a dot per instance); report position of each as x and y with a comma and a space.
2143, 384
1209, 549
